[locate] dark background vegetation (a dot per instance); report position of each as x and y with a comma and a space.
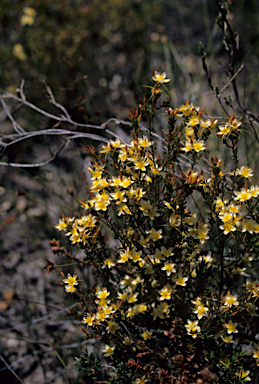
97, 56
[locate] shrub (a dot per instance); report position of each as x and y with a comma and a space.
173, 248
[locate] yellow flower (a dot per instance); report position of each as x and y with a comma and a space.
135, 256
188, 109
160, 78
152, 213
230, 300
227, 227
225, 217
249, 225
75, 237
192, 327
112, 327
165, 292
174, 220
231, 327
71, 280
141, 164
198, 145
197, 302
145, 206
108, 263
101, 315
148, 179
233, 208
122, 296
155, 235
256, 351
70, 288
180, 280
243, 375
102, 293
162, 310
131, 312
202, 232
141, 381
141, 307
207, 259
29, 11
194, 120
95, 174
27, 20
119, 195
242, 195
145, 143
18, 52
201, 311
167, 251
108, 350
143, 241
29, 16
187, 147
189, 131
106, 148
251, 309
88, 320
224, 129
61, 225
139, 193
169, 268
254, 191
116, 143
124, 255
125, 182
167, 204
146, 335
227, 339
245, 171
127, 341
132, 297
122, 209
101, 205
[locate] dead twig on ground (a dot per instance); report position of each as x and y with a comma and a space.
11, 370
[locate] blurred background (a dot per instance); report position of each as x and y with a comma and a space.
97, 56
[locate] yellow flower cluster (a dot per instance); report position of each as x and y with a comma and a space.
70, 282
28, 17
195, 124
229, 212
78, 230
232, 126
166, 259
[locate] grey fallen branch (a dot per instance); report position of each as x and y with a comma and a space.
21, 134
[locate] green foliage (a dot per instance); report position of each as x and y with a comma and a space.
231, 368
91, 365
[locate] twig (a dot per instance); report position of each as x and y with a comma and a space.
64, 119
19, 165
20, 90
53, 101
10, 369
21, 134
16, 126
232, 78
